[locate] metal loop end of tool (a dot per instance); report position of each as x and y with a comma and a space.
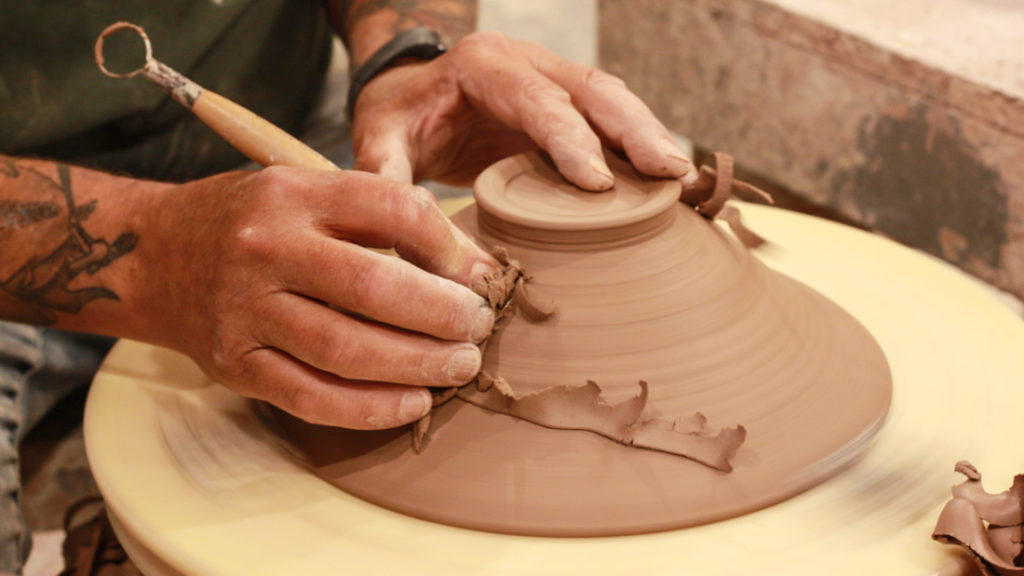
115, 27
170, 81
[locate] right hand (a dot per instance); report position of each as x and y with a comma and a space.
266, 280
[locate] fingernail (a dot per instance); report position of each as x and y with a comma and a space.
598, 165
690, 178
477, 272
483, 323
463, 365
414, 406
678, 160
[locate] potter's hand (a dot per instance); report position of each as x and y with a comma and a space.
265, 281
490, 97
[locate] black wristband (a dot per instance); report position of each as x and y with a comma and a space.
421, 43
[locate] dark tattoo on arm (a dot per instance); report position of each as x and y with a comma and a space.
452, 19
21, 214
41, 286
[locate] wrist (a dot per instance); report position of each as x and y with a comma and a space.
366, 25
414, 45
119, 229
72, 264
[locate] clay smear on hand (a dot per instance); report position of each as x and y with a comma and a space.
579, 407
991, 526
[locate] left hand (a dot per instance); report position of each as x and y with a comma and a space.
490, 97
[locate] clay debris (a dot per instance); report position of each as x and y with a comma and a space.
990, 526
506, 289
713, 187
579, 407
584, 408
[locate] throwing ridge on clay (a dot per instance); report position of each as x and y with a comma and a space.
579, 407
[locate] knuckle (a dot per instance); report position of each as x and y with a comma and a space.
550, 118
369, 156
426, 367
249, 229
302, 402
422, 199
413, 208
597, 79
227, 353
456, 313
344, 354
272, 188
368, 280
274, 177
231, 339
481, 41
455, 321
253, 241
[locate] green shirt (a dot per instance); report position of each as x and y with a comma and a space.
268, 55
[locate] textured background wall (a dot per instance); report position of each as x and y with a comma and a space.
854, 118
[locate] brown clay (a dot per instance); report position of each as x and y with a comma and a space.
990, 526
644, 289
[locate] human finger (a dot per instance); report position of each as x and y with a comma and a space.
514, 92
323, 398
384, 150
386, 289
618, 114
381, 213
361, 350
409, 220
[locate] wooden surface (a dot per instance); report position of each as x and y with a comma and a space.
905, 117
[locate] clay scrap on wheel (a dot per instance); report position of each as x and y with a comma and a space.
990, 526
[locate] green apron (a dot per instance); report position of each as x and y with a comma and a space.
268, 55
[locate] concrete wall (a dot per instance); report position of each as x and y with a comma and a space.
567, 27
928, 153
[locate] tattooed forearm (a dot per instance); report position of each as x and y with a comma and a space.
365, 25
45, 246
20, 214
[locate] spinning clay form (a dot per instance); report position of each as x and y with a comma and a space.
697, 384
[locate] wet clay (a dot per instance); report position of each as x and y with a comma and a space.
990, 526
576, 407
645, 289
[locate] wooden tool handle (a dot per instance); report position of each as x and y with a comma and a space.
254, 136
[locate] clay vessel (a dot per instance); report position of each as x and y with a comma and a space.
645, 289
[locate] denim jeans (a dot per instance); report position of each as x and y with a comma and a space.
38, 368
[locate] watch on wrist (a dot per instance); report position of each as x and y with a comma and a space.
419, 43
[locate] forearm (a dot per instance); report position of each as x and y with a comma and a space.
366, 25
69, 238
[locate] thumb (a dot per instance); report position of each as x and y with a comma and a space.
387, 154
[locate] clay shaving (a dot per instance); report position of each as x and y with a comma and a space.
990, 526
580, 407
506, 289
584, 408
713, 187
